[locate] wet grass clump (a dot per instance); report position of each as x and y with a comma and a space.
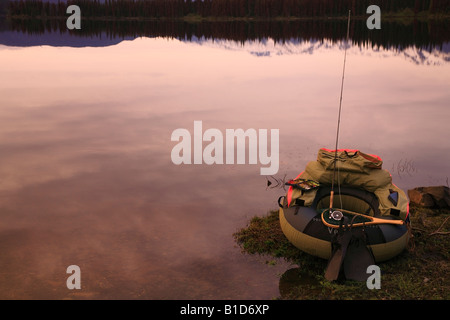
419, 273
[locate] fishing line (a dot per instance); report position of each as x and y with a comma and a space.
339, 116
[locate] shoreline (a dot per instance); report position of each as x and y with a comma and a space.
418, 273
390, 17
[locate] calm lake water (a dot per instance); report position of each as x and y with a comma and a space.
86, 172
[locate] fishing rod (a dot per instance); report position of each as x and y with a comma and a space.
339, 115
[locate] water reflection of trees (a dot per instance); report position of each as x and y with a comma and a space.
425, 35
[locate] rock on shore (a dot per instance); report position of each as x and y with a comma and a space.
430, 197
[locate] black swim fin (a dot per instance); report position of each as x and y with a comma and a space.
337, 257
358, 257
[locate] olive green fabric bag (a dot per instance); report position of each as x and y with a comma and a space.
354, 169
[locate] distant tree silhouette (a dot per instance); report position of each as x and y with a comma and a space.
266, 9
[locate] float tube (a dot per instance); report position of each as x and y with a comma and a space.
363, 188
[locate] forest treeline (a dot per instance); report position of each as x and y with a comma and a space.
265, 9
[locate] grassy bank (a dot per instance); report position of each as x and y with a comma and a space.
420, 272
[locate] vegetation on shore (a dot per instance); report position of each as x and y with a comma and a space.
419, 273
